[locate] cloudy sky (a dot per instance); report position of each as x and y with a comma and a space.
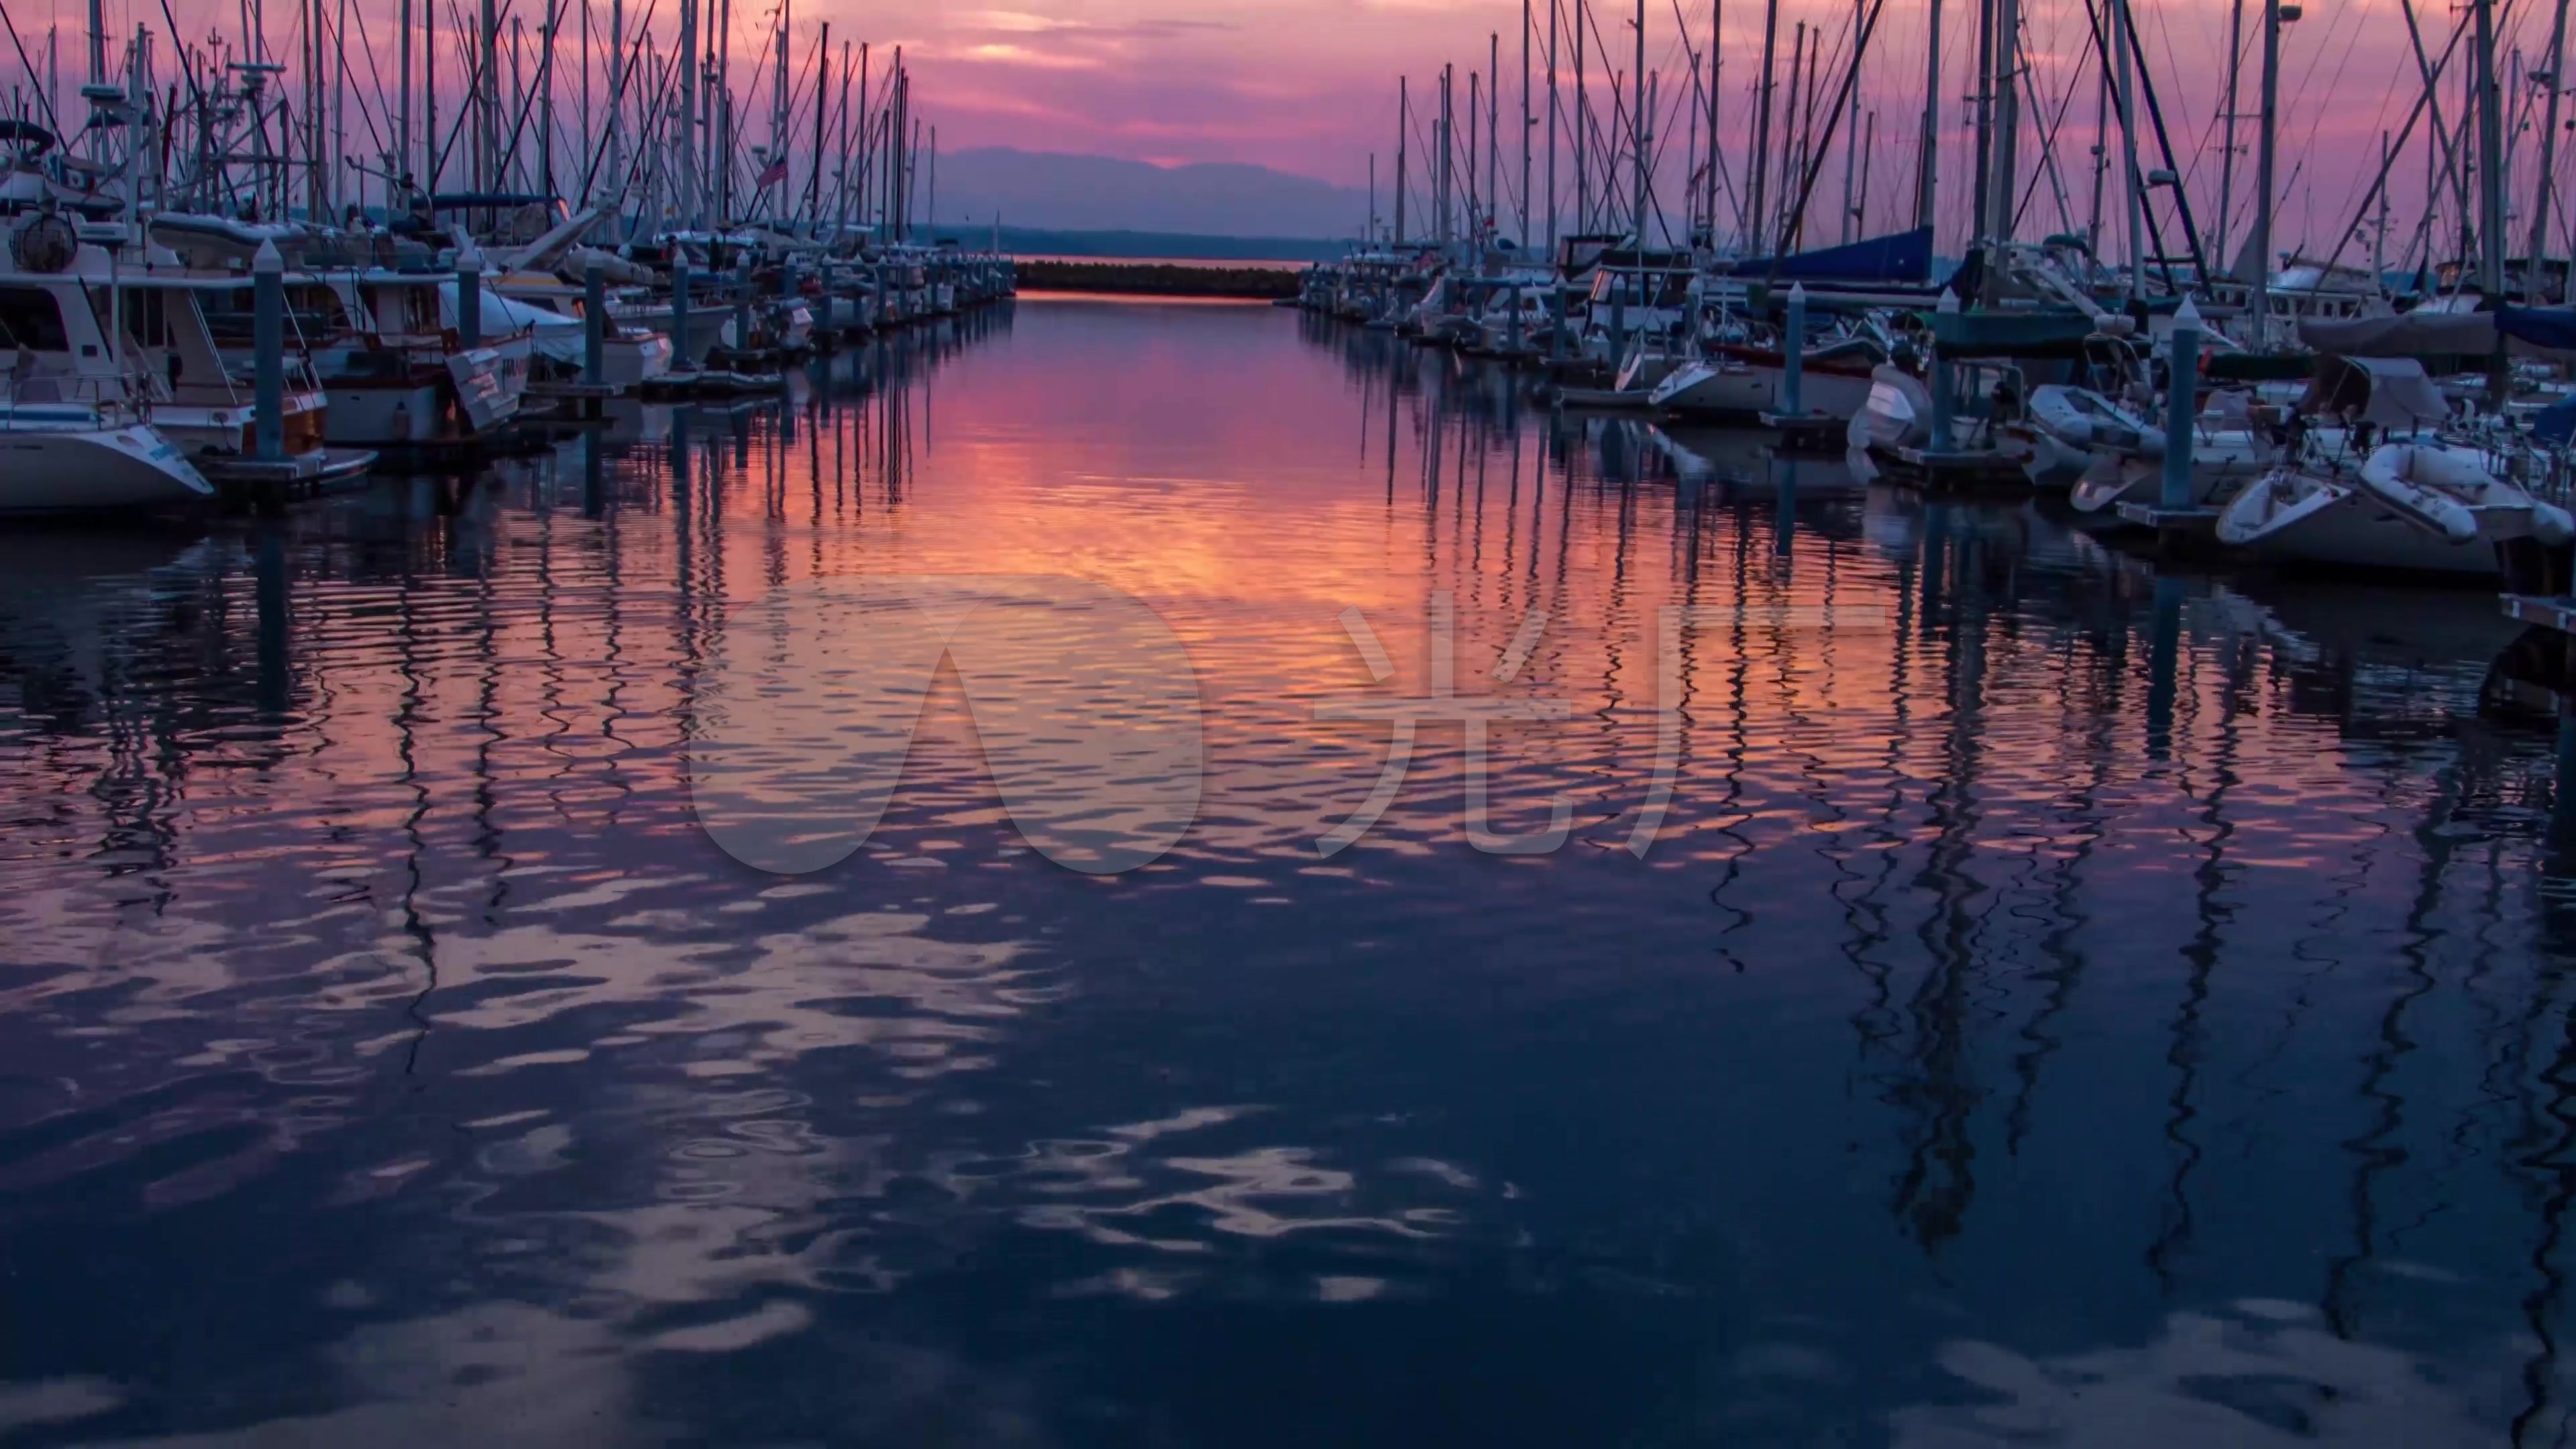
1308, 86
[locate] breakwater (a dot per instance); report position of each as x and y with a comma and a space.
1157, 279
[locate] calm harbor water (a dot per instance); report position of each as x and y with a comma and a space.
2063, 1003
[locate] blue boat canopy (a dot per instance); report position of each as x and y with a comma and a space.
2553, 328
1904, 256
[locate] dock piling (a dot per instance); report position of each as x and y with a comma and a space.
681, 357
469, 298
268, 329
594, 323
2182, 406
1793, 355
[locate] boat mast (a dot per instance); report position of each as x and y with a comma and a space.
822, 115
1851, 143
685, 123
2548, 156
487, 151
429, 97
2491, 181
616, 115
1493, 217
1448, 150
2007, 136
1639, 119
1716, 70
1403, 121
1528, 124
1553, 14
2131, 183
1981, 199
1754, 220
1927, 168
1582, 143
1640, 109
2266, 129
2227, 123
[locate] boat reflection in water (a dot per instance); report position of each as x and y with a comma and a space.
2059, 993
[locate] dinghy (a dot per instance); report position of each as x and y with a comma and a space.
2412, 507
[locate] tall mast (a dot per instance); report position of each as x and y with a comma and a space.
721, 117
1851, 141
1582, 120
685, 124
616, 171
1403, 121
1552, 112
2548, 157
2227, 123
2491, 180
1755, 222
1475, 108
2132, 186
545, 97
2007, 135
1927, 167
1981, 173
1448, 149
429, 96
487, 152
1641, 103
1493, 134
2265, 137
822, 111
1716, 73
1529, 124
2102, 145
778, 105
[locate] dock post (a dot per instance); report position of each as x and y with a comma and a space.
268, 340
1793, 355
1618, 329
681, 358
594, 323
469, 298
2182, 406
1942, 403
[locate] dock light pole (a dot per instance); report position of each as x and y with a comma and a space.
594, 323
1793, 355
268, 337
469, 298
1941, 387
2182, 405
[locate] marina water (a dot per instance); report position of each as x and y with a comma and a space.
2058, 997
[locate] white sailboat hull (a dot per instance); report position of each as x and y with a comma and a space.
93, 470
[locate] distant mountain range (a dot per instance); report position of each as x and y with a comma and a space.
1054, 192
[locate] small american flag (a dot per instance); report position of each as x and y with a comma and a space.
773, 173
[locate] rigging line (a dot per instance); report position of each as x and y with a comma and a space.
620, 69
2423, 100
50, 118
1833, 122
2047, 144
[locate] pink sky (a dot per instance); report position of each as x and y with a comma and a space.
1308, 86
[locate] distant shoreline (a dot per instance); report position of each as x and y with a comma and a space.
1157, 279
